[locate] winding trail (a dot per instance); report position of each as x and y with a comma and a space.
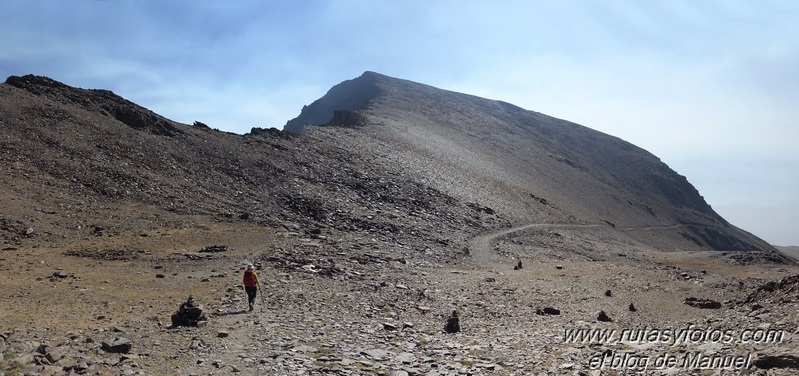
482, 252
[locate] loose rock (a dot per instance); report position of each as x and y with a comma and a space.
547, 311
702, 303
118, 346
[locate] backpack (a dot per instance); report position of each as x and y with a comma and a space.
249, 278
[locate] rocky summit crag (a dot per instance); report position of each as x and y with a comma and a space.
386, 207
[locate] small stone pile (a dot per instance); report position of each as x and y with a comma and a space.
190, 313
453, 323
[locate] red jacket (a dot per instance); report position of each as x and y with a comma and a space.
250, 278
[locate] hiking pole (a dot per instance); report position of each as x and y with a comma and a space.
261, 291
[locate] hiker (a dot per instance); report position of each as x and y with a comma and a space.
251, 284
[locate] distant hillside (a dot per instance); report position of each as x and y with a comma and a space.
527, 166
792, 251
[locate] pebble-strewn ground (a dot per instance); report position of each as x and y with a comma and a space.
336, 305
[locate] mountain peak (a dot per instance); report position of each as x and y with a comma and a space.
551, 169
350, 95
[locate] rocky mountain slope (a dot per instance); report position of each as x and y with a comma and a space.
529, 167
73, 158
403, 204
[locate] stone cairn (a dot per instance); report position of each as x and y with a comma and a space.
453, 323
190, 313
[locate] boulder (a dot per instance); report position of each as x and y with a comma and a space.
547, 311
376, 354
53, 355
405, 358
61, 274
118, 346
602, 316
784, 361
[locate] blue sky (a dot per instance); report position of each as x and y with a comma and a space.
710, 87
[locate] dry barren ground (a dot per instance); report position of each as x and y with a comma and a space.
347, 304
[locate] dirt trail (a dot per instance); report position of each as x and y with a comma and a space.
482, 252
313, 324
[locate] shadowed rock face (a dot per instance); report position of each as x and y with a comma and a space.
348, 95
526, 165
